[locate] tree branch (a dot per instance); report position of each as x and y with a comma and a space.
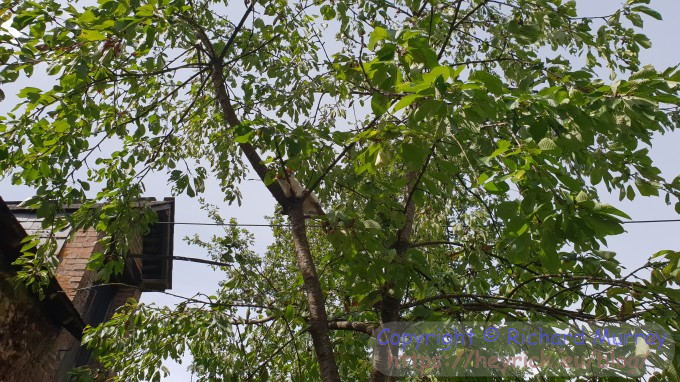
344, 152
433, 243
236, 30
360, 327
420, 175
518, 305
455, 24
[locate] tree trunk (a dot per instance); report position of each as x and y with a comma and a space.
383, 358
318, 320
317, 306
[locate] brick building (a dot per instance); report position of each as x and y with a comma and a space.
40, 339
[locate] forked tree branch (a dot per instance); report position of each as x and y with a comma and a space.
455, 24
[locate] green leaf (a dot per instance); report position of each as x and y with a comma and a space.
29, 245
378, 34
328, 12
582, 197
507, 210
492, 83
663, 252
91, 35
610, 210
547, 144
627, 307
456, 72
429, 108
21, 21
497, 187
382, 158
413, 155
503, 147
483, 177
379, 104
520, 249
550, 259
603, 226
439, 71
60, 126
635, 19
645, 188
391, 254
648, 11
289, 313
29, 92
87, 17
245, 138
405, 101
643, 41
371, 224
145, 10
607, 255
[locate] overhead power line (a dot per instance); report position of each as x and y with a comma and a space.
651, 221
180, 258
288, 225
197, 223
227, 224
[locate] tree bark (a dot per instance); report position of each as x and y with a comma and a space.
383, 354
391, 303
318, 318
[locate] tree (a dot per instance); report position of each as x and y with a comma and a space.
455, 146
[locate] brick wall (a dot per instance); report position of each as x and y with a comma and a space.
123, 293
72, 274
31, 346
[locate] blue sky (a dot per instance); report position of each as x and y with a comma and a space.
633, 247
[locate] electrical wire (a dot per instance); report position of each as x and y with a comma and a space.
288, 225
